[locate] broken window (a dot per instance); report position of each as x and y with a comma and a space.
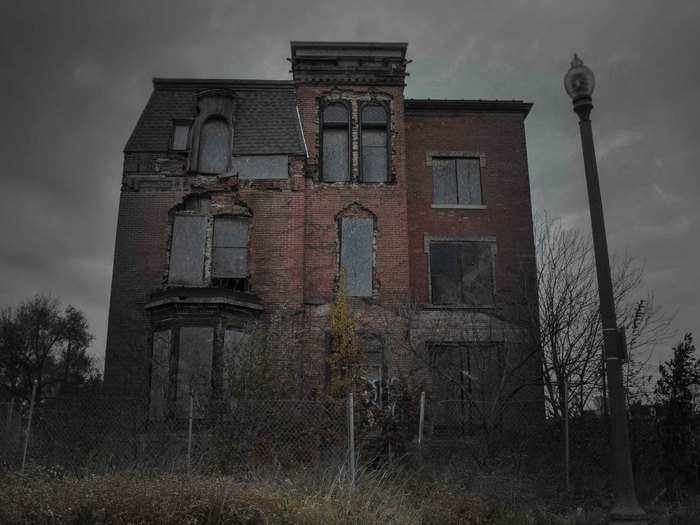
160, 374
214, 146
456, 181
335, 143
374, 144
462, 273
230, 251
196, 346
181, 137
187, 249
356, 240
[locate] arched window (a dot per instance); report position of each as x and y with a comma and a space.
335, 164
374, 144
214, 146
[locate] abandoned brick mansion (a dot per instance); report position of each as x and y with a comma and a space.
246, 201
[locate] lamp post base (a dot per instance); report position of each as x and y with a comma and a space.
627, 513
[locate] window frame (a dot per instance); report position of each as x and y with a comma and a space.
455, 156
181, 123
223, 217
429, 241
208, 279
346, 104
387, 138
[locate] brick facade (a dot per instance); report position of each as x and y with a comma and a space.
294, 235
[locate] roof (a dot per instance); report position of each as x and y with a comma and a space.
469, 106
266, 121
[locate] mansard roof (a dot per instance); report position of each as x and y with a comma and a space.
265, 120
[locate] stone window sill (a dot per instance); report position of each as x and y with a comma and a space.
459, 206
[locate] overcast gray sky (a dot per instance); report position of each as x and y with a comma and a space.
76, 75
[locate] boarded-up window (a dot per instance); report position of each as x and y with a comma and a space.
456, 181
187, 249
194, 367
214, 146
230, 248
234, 341
336, 143
462, 273
451, 388
181, 137
356, 238
160, 374
374, 146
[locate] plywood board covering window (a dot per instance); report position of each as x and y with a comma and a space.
230, 247
457, 181
187, 249
194, 367
356, 240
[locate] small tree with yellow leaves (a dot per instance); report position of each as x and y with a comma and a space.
347, 354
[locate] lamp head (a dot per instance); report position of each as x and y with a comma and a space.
579, 81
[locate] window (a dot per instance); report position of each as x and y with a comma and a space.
230, 252
374, 145
451, 387
181, 137
187, 249
194, 367
160, 374
457, 181
462, 273
214, 146
335, 141
356, 240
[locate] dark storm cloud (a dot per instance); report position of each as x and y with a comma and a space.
75, 76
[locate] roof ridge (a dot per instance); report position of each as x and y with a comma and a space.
159, 82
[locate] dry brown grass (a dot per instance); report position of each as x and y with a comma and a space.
386, 496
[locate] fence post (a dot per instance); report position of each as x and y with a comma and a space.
351, 439
29, 426
421, 419
189, 433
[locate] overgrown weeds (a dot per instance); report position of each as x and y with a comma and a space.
388, 495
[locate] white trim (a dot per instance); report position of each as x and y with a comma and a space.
301, 128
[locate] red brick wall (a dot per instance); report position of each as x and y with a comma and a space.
141, 261
500, 137
387, 202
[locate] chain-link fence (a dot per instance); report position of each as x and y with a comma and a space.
106, 432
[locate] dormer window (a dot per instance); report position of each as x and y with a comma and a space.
335, 140
374, 144
181, 137
214, 146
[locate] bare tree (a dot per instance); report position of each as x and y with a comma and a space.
40, 343
569, 326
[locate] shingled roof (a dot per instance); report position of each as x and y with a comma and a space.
266, 121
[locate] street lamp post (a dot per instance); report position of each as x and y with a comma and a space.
579, 83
